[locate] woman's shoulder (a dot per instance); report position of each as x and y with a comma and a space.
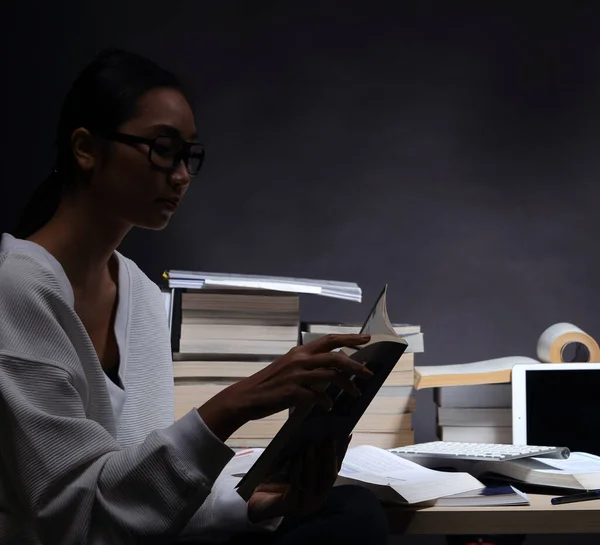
37, 315
25, 271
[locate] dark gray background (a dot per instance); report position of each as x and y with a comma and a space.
448, 151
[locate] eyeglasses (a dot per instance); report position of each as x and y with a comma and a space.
165, 152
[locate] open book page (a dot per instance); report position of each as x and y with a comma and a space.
412, 482
486, 366
581, 471
462, 374
378, 324
576, 463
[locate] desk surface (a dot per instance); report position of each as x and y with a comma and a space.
541, 517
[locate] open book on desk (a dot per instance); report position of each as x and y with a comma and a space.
363, 465
498, 370
581, 471
394, 479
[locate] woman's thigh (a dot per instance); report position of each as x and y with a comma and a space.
351, 515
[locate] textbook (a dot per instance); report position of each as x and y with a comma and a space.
493, 371
396, 480
580, 471
198, 280
315, 424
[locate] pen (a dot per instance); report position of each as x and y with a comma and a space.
582, 496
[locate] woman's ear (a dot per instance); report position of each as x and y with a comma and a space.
84, 149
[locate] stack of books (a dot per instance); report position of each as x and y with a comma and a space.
227, 327
473, 400
227, 335
387, 422
474, 414
248, 323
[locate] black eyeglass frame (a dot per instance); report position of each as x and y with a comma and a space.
182, 155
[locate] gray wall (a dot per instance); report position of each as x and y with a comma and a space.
451, 153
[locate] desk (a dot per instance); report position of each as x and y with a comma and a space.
538, 518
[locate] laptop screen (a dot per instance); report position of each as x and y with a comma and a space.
563, 409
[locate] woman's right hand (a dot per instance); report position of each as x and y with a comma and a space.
297, 378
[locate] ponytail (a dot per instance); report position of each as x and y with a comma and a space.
41, 206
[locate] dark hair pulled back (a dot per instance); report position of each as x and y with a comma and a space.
102, 98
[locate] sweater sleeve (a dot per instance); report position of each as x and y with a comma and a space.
74, 484
224, 514
73, 481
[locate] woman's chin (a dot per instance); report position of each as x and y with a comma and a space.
156, 223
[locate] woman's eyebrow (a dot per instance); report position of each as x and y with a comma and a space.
169, 130
162, 128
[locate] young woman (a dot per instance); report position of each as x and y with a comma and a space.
89, 452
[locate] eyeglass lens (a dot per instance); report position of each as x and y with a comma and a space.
167, 150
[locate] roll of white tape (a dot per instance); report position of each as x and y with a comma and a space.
555, 343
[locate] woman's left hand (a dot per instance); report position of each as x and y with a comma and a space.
311, 477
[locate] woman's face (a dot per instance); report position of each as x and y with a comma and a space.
125, 183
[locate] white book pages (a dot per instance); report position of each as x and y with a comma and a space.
498, 370
411, 482
478, 395
415, 340
198, 280
400, 329
577, 462
453, 416
476, 434
581, 471
486, 366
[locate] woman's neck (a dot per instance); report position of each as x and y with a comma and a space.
82, 242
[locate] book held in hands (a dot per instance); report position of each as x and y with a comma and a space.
313, 425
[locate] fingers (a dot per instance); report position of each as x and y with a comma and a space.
338, 361
284, 384
331, 342
307, 397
